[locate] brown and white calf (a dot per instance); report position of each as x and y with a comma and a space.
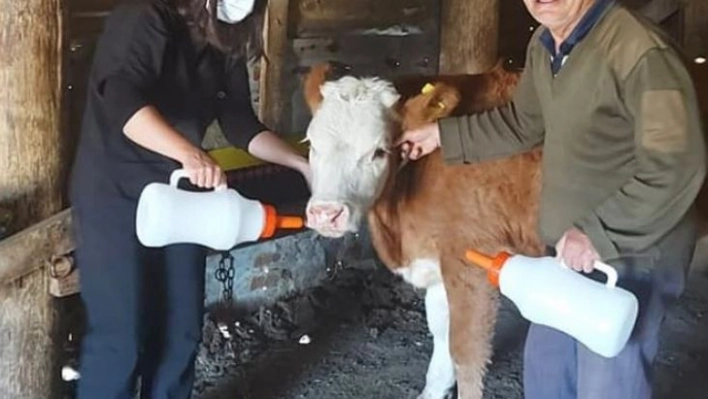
423, 215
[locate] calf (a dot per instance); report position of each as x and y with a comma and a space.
423, 215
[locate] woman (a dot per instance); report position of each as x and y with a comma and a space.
163, 71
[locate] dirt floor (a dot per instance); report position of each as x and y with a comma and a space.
368, 339
363, 335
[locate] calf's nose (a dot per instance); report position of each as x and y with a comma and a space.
327, 216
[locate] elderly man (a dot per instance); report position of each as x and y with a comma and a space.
609, 99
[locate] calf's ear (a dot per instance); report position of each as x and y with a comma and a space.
434, 102
317, 76
441, 100
313, 83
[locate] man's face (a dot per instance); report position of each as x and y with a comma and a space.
557, 14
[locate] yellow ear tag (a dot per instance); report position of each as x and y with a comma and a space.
427, 88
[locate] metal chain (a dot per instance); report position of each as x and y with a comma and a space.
225, 274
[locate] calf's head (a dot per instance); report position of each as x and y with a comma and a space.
349, 137
355, 122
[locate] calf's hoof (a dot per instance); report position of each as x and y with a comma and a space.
429, 394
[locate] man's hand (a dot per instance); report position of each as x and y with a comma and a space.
419, 142
202, 170
577, 251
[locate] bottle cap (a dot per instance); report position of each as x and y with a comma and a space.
492, 265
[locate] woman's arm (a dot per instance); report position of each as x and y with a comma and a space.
268, 147
242, 127
149, 129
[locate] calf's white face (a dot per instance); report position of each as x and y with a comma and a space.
350, 137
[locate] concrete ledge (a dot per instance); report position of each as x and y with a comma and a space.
269, 271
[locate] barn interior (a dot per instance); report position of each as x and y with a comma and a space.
299, 315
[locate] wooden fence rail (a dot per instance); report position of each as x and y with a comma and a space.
31, 248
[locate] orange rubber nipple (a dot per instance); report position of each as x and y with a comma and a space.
274, 222
290, 222
492, 265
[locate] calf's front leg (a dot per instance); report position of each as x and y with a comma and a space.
440, 379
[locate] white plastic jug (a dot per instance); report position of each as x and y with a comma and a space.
546, 292
218, 219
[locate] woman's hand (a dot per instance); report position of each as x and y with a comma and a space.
202, 170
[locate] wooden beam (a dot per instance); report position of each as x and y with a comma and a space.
469, 36
31, 149
659, 10
273, 101
29, 250
695, 28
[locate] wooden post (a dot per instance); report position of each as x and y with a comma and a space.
30, 184
695, 28
469, 31
273, 106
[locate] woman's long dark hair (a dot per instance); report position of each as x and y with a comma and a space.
243, 39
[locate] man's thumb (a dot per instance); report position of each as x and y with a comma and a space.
560, 246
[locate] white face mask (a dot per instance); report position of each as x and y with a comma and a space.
233, 11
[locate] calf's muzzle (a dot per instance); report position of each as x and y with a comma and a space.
330, 219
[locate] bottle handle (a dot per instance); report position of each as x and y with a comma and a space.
609, 271
181, 173
602, 267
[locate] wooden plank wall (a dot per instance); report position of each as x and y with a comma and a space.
277, 54
515, 29
384, 38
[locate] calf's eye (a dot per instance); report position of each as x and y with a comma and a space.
379, 153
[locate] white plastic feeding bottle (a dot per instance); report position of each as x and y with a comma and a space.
218, 219
546, 292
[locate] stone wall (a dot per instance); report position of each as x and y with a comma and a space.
270, 271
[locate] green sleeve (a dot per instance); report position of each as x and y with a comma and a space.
499, 132
670, 159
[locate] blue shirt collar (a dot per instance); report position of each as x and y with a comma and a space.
581, 30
